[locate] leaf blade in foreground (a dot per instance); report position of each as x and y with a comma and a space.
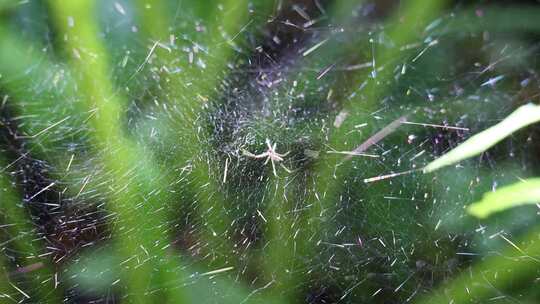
518, 194
520, 118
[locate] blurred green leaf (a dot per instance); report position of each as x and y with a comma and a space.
520, 118
518, 194
497, 18
413, 15
94, 272
22, 239
223, 22
6, 4
121, 156
516, 267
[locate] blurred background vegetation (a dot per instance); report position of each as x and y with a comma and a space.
127, 127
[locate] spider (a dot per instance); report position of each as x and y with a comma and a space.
271, 155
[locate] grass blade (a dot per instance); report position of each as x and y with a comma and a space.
520, 118
518, 194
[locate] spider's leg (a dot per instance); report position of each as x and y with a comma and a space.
262, 155
247, 153
266, 161
283, 155
268, 144
285, 168
274, 168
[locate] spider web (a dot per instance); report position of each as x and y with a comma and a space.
338, 228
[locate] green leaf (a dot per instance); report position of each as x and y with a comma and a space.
520, 118
6, 4
518, 194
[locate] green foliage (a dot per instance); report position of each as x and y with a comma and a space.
75, 105
520, 118
518, 194
525, 192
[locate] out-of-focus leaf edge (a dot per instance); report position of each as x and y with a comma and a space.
520, 118
518, 194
